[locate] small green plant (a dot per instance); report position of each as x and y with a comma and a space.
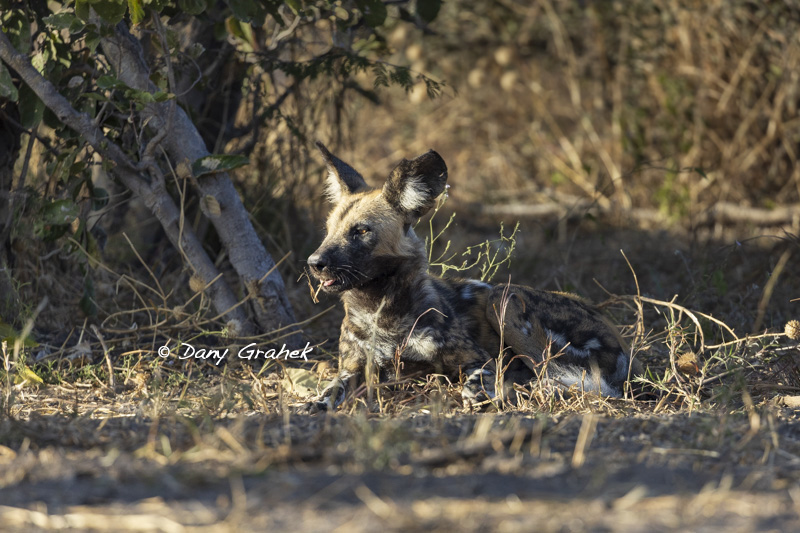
487, 257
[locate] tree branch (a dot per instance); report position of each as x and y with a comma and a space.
245, 250
154, 196
573, 207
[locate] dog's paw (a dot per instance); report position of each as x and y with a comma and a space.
478, 388
314, 407
331, 398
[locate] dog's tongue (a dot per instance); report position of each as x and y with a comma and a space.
328, 283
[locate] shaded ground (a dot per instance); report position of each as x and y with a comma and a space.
619, 468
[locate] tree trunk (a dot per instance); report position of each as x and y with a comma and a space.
183, 142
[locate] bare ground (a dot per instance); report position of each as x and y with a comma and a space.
612, 467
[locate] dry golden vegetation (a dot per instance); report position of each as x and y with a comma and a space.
649, 151
665, 105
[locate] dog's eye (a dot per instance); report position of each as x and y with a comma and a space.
361, 230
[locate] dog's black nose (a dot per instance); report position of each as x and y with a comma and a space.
317, 262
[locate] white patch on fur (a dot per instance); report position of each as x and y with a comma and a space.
558, 339
561, 343
586, 351
526, 329
379, 342
423, 344
468, 290
578, 352
585, 381
593, 344
480, 371
382, 348
333, 188
414, 194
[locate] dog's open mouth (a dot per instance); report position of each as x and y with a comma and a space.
330, 285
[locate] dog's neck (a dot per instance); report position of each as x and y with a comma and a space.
393, 291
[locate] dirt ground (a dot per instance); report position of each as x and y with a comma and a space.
618, 468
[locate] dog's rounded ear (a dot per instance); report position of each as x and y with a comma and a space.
414, 185
342, 178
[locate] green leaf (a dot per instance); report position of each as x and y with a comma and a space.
140, 97
77, 25
61, 168
374, 12
193, 7
7, 88
295, 6
65, 21
248, 11
60, 21
211, 164
31, 108
428, 9
26, 376
92, 37
110, 82
95, 96
59, 212
162, 96
136, 11
110, 11
16, 25
82, 10
240, 29
10, 335
195, 50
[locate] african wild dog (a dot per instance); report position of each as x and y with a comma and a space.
372, 258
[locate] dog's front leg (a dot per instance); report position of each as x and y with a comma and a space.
480, 384
334, 394
478, 370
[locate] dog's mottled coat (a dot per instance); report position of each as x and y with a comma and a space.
395, 309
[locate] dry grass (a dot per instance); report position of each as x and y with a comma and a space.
656, 115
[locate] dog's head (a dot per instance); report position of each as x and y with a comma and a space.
369, 233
